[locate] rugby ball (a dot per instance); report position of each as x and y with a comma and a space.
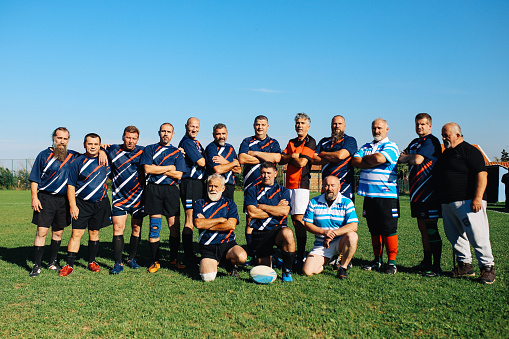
262, 274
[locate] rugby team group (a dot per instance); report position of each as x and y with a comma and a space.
69, 187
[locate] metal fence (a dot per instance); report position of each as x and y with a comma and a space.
14, 173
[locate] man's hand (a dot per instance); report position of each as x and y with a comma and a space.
181, 149
283, 202
329, 236
295, 155
219, 159
103, 158
75, 211
36, 204
200, 216
476, 204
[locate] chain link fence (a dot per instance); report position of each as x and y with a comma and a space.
14, 173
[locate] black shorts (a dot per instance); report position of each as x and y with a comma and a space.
162, 199
190, 191
382, 215
55, 211
229, 190
216, 251
94, 215
262, 242
426, 210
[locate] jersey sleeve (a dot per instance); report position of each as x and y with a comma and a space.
285, 194
275, 148
233, 212
244, 147
35, 174
318, 148
309, 215
309, 149
73, 173
350, 215
350, 145
211, 152
475, 161
180, 163
360, 152
250, 198
198, 208
391, 152
427, 149
191, 151
285, 151
146, 158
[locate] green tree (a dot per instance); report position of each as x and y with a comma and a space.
505, 156
6, 178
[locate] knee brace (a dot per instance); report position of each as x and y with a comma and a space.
432, 230
155, 227
208, 276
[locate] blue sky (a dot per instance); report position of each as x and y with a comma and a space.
98, 66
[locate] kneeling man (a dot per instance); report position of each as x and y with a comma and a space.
332, 219
216, 217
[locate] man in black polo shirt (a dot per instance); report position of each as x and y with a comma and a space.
462, 180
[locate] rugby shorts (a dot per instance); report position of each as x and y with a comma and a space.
299, 200
262, 242
94, 215
190, 191
162, 199
55, 211
216, 251
381, 215
229, 190
426, 210
327, 252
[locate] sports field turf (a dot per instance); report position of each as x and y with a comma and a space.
177, 304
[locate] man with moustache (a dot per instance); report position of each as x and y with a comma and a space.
89, 204
268, 205
378, 183
462, 180
192, 186
216, 217
222, 159
334, 154
422, 154
254, 151
48, 185
164, 165
332, 219
128, 181
298, 154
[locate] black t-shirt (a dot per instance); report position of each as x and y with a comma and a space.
457, 171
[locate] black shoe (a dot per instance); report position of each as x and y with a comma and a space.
373, 266
342, 273
391, 269
433, 272
234, 273
54, 266
462, 270
36, 270
487, 275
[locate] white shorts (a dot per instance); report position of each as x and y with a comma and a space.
327, 252
299, 200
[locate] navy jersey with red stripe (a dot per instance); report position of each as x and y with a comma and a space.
298, 177
343, 169
228, 152
420, 176
128, 178
50, 173
252, 172
223, 208
89, 178
267, 195
193, 152
159, 155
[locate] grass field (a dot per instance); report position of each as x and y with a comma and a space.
177, 304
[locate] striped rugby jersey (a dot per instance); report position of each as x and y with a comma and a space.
223, 208
337, 215
51, 174
159, 155
128, 175
193, 152
89, 178
380, 181
252, 172
268, 195
343, 169
298, 177
228, 152
421, 176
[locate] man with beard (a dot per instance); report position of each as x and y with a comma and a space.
334, 154
332, 219
48, 184
191, 186
222, 159
89, 204
462, 180
378, 183
164, 165
216, 217
127, 188
298, 154
422, 154
267, 206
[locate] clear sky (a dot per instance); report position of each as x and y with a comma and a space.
98, 66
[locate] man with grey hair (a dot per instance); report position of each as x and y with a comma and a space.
462, 180
297, 155
216, 218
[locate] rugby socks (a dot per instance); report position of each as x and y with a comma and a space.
174, 247
133, 246
187, 242
71, 258
118, 247
301, 248
376, 241
55, 246
427, 259
93, 247
38, 252
391, 245
154, 250
435, 242
288, 258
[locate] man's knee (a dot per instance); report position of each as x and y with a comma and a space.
155, 228
206, 277
351, 238
287, 234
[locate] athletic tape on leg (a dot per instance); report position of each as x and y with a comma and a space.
155, 227
208, 276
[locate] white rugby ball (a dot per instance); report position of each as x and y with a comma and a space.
262, 274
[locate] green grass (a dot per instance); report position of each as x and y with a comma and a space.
177, 304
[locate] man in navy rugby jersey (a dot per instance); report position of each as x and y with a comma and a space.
88, 201
222, 159
128, 179
216, 217
422, 154
164, 165
192, 185
268, 205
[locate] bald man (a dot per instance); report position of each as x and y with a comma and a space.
462, 179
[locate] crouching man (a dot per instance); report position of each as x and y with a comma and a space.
216, 218
332, 219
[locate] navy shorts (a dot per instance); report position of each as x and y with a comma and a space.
55, 211
190, 191
216, 251
382, 215
262, 242
94, 215
162, 199
426, 210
